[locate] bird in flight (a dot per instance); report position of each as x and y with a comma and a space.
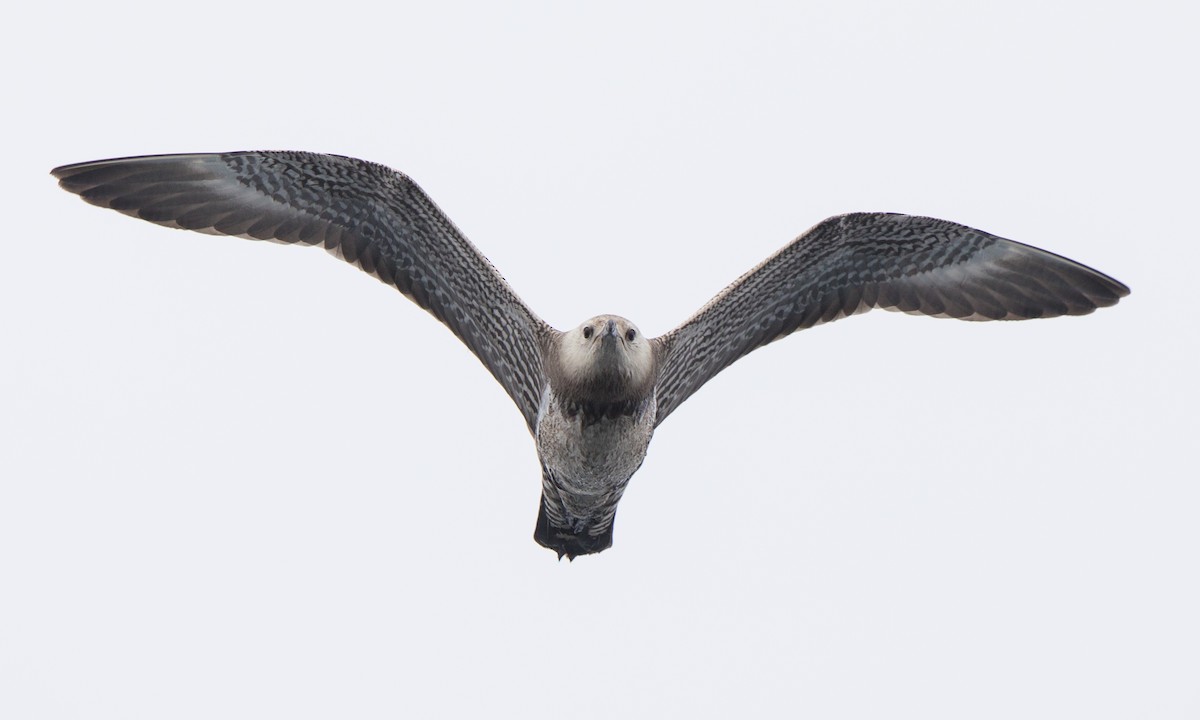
591, 396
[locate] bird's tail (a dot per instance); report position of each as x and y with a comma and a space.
569, 542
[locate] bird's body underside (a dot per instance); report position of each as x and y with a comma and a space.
591, 396
594, 423
588, 453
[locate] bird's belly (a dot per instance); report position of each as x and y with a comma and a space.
590, 455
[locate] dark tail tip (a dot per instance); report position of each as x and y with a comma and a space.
565, 541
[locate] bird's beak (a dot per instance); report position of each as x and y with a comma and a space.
610, 333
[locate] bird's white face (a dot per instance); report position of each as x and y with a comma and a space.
608, 345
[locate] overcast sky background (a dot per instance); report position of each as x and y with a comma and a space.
240, 480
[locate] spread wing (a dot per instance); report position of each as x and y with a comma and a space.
364, 213
851, 263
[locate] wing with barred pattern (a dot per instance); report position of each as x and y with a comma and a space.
367, 214
851, 263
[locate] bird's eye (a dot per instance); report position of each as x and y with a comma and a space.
630, 334
587, 332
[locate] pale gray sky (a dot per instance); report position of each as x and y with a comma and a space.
240, 480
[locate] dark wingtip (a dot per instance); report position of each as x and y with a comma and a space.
64, 172
78, 177
1105, 290
1083, 288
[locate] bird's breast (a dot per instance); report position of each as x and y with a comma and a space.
592, 447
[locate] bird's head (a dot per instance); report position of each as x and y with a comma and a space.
605, 358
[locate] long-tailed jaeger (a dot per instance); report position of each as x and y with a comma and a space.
593, 395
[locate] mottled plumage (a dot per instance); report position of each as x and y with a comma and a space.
591, 396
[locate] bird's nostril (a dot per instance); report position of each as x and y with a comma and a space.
612, 327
